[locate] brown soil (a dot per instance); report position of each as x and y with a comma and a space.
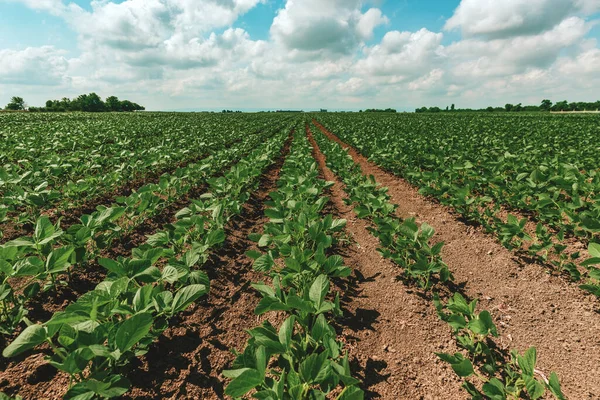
530, 307
391, 332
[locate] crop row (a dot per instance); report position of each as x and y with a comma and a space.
483, 169
95, 337
75, 158
301, 358
33, 264
409, 246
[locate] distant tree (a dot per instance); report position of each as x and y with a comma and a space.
546, 105
452, 107
113, 103
490, 109
561, 106
509, 107
16, 104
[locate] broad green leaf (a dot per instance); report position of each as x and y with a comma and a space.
527, 361
245, 382
132, 331
186, 296
32, 336
319, 290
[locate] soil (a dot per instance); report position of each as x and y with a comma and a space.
530, 307
391, 332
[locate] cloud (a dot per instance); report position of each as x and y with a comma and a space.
429, 81
405, 54
486, 58
328, 27
33, 66
510, 18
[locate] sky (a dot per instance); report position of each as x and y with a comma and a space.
301, 54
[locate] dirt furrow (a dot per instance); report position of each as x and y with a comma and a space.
531, 307
392, 333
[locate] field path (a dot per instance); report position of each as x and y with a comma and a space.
530, 307
390, 331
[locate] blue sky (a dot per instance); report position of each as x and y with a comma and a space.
173, 54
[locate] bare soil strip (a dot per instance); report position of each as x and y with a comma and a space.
391, 332
530, 307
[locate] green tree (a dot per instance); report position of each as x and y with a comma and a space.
113, 103
16, 104
546, 105
509, 107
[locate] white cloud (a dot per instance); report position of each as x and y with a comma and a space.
429, 81
333, 26
485, 58
404, 54
508, 18
33, 66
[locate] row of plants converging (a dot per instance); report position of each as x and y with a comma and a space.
300, 358
36, 263
485, 174
409, 246
95, 337
76, 158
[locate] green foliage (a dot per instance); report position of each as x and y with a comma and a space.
512, 379
99, 334
302, 359
521, 177
16, 104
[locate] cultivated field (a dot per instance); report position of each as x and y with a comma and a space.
299, 256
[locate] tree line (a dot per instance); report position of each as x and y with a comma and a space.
85, 102
545, 106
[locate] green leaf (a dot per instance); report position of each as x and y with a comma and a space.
112, 266
594, 250
186, 296
464, 368
245, 382
554, 386
170, 274
534, 388
264, 263
286, 331
319, 290
264, 240
32, 336
527, 362
352, 393
59, 259
132, 331
494, 389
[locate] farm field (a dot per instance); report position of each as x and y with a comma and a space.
299, 256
